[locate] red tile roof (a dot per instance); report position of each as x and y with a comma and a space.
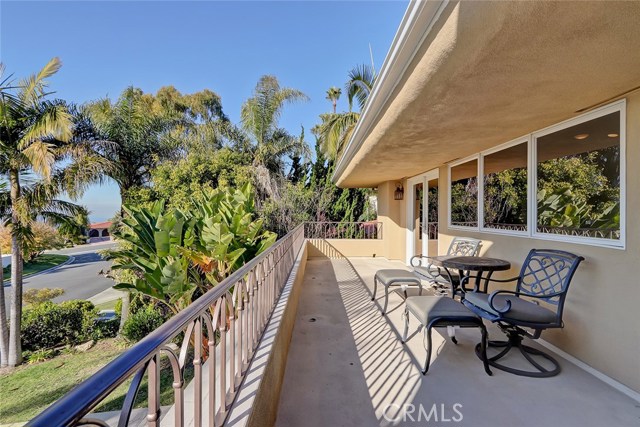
105, 224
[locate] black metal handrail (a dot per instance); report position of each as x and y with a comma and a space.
260, 282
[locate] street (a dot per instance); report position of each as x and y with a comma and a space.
79, 279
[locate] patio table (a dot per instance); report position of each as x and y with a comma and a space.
468, 264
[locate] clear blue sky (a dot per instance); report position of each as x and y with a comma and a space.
223, 46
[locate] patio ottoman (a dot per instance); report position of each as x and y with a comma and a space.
436, 312
391, 277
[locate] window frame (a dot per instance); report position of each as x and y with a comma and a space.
458, 162
618, 106
531, 139
522, 140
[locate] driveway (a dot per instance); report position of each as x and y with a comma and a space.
79, 279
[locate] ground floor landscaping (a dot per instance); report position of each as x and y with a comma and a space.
29, 389
42, 263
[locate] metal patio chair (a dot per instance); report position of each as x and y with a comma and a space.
460, 246
544, 278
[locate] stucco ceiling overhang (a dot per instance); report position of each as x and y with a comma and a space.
489, 72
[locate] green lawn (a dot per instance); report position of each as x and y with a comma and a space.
41, 263
29, 389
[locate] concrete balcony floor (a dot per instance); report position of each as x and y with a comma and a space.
347, 367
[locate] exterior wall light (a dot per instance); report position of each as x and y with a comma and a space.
399, 193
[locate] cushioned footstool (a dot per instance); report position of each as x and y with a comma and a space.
391, 277
436, 312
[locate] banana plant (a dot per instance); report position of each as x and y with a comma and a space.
177, 256
561, 208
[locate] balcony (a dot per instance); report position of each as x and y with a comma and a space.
347, 366
293, 339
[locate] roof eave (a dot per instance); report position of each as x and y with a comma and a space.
416, 25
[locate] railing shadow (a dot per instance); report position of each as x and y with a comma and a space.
391, 371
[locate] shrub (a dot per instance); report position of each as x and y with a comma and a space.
40, 356
137, 302
118, 307
142, 323
49, 325
38, 296
105, 329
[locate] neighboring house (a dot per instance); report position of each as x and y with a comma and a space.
528, 91
99, 232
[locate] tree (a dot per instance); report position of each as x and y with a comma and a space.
184, 182
126, 139
333, 94
33, 132
360, 84
74, 231
42, 237
259, 116
335, 129
333, 134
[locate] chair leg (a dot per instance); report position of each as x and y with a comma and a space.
427, 331
386, 300
406, 326
375, 287
515, 341
451, 331
483, 349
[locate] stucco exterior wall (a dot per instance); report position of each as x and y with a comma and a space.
349, 247
392, 214
602, 319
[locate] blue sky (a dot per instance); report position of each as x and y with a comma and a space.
223, 46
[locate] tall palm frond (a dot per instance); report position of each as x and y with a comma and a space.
360, 83
333, 94
335, 131
260, 113
32, 89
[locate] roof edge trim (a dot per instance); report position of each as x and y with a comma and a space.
416, 24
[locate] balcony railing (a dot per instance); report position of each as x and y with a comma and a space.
226, 323
343, 230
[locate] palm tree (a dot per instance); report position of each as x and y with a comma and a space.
360, 84
33, 135
335, 131
126, 139
122, 141
259, 117
336, 128
333, 94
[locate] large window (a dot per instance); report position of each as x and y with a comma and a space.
578, 179
562, 183
505, 188
464, 194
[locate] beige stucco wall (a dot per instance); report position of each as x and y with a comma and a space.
348, 247
392, 214
602, 318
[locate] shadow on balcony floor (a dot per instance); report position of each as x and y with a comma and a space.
347, 367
